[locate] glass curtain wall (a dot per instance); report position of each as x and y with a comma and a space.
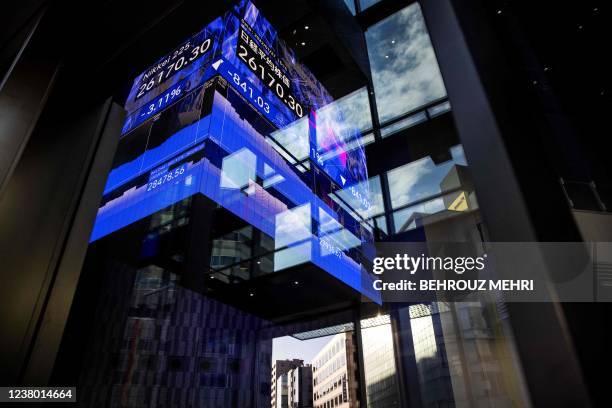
458, 354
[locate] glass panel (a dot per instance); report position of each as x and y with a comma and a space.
458, 155
355, 115
403, 124
349, 200
439, 109
379, 366
421, 179
405, 72
292, 231
381, 223
434, 210
367, 3
412, 217
232, 248
362, 141
293, 140
483, 367
351, 6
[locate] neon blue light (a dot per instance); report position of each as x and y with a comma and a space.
174, 147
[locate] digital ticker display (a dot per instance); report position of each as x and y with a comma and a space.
200, 121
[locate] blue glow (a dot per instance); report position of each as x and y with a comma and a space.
202, 130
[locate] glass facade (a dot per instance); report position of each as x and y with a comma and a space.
231, 217
381, 380
367, 3
422, 188
405, 72
351, 6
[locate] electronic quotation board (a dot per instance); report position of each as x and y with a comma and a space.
201, 120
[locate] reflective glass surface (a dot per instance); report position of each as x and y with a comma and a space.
422, 182
379, 367
355, 108
411, 120
405, 72
423, 178
346, 198
351, 5
367, 3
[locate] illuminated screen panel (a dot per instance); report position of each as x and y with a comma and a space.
244, 48
183, 69
217, 117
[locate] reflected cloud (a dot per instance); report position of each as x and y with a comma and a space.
405, 72
411, 182
422, 178
293, 138
355, 111
238, 169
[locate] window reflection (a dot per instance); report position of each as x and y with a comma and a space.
417, 190
423, 178
291, 141
405, 72
351, 5
355, 109
351, 202
412, 217
367, 3
229, 250
381, 224
293, 232
422, 188
439, 109
238, 169
429, 352
379, 365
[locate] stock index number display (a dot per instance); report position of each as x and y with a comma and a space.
260, 63
176, 61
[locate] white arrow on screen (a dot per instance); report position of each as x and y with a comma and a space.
343, 180
216, 64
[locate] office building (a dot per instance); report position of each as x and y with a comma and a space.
279, 381
334, 374
281, 398
300, 390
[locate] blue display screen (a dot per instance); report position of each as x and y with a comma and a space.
200, 121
